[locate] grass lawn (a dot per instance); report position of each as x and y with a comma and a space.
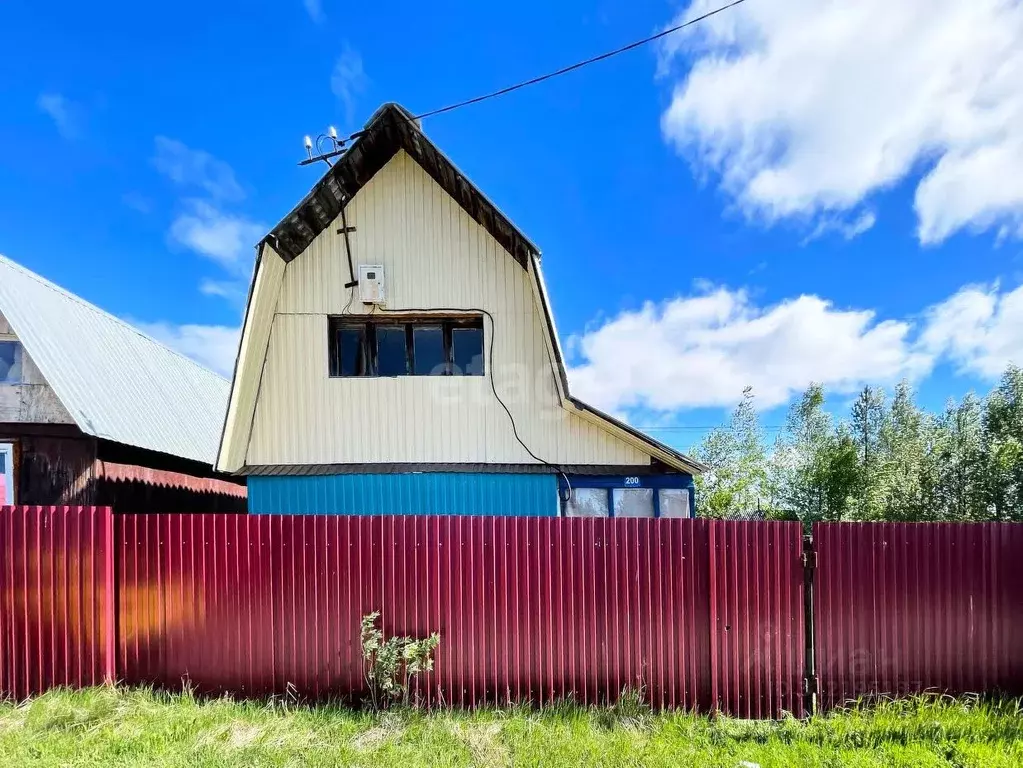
112, 727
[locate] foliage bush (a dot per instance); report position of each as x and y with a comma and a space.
393, 662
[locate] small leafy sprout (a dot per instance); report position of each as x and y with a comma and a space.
392, 663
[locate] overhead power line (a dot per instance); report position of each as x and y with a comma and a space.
577, 65
339, 144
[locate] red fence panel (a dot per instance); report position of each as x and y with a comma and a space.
528, 609
700, 614
758, 637
56, 598
907, 607
194, 602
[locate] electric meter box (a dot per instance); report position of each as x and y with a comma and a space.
371, 284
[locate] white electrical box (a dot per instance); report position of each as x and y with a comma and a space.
371, 284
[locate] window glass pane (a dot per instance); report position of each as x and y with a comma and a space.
392, 356
428, 346
10, 362
467, 351
674, 502
352, 352
633, 502
587, 502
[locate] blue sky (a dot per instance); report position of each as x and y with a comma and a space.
790, 193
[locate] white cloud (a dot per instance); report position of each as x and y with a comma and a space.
806, 108
348, 80
980, 328
226, 238
214, 346
234, 291
63, 113
196, 168
702, 350
842, 226
315, 10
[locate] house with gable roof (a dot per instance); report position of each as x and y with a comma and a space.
399, 356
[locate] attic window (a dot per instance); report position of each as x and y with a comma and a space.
428, 346
10, 362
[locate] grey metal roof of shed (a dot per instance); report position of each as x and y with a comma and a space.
116, 382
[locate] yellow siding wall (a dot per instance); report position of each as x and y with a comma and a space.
434, 256
259, 319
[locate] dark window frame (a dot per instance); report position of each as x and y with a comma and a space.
369, 327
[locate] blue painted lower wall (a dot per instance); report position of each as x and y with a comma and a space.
421, 493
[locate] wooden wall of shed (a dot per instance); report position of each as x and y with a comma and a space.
58, 465
52, 469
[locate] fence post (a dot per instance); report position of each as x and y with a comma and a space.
712, 567
810, 680
110, 590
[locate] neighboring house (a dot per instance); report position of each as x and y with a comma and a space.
94, 412
437, 384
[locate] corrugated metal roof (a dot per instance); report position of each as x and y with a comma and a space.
116, 382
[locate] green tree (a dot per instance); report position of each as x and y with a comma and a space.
736, 456
907, 473
867, 419
960, 457
816, 466
1003, 448
888, 462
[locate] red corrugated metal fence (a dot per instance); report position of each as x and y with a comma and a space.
907, 607
758, 640
56, 588
701, 614
527, 608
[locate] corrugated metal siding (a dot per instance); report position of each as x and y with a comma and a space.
434, 256
195, 602
527, 609
902, 608
448, 493
758, 638
56, 591
248, 374
703, 614
115, 382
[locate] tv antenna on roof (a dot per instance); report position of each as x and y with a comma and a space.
337, 147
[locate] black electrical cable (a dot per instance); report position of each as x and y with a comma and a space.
577, 65
340, 143
490, 366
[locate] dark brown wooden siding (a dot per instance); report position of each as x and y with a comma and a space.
53, 467
60, 465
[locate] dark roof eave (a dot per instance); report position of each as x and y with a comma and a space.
390, 130
691, 463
